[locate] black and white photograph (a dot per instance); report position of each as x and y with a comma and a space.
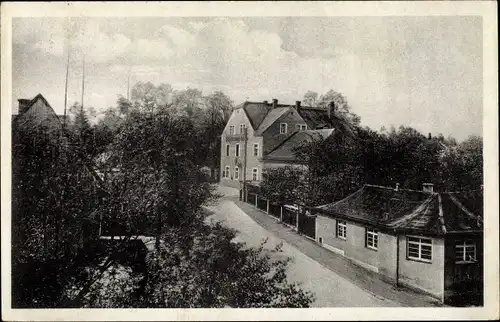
262, 159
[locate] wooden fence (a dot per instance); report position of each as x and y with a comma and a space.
294, 216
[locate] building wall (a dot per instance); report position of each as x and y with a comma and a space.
423, 276
428, 277
463, 277
382, 260
239, 117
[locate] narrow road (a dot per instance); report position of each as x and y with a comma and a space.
330, 289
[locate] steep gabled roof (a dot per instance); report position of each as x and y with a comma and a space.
285, 150
409, 210
270, 118
262, 115
32, 102
255, 111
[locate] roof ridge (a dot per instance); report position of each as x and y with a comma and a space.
463, 208
400, 189
343, 199
441, 217
415, 213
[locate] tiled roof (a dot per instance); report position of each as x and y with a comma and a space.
256, 112
262, 115
270, 118
409, 210
285, 150
315, 117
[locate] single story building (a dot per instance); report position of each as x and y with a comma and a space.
429, 241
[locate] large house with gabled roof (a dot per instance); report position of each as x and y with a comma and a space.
263, 135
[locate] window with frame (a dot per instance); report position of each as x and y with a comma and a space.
341, 229
237, 150
465, 251
255, 174
283, 128
419, 248
256, 149
371, 238
242, 128
227, 149
236, 173
231, 129
226, 172
301, 127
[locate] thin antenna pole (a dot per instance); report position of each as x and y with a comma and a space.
66, 91
128, 86
66, 82
83, 84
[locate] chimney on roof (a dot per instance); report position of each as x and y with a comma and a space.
331, 109
266, 103
428, 187
297, 106
23, 105
275, 103
397, 187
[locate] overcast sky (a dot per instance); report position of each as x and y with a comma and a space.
424, 72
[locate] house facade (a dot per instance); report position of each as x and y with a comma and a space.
431, 242
262, 135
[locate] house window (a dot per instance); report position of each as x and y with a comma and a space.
341, 229
465, 251
242, 128
255, 174
237, 150
236, 173
371, 238
256, 149
283, 128
301, 127
419, 248
231, 129
227, 149
226, 172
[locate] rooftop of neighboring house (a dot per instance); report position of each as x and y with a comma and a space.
263, 114
414, 211
50, 121
25, 104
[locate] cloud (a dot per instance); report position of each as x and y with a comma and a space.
393, 70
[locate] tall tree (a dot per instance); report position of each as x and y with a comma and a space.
218, 110
310, 98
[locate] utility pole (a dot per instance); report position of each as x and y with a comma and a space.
245, 138
128, 85
83, 84
66, 91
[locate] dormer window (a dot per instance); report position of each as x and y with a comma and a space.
283, 128
300, 127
